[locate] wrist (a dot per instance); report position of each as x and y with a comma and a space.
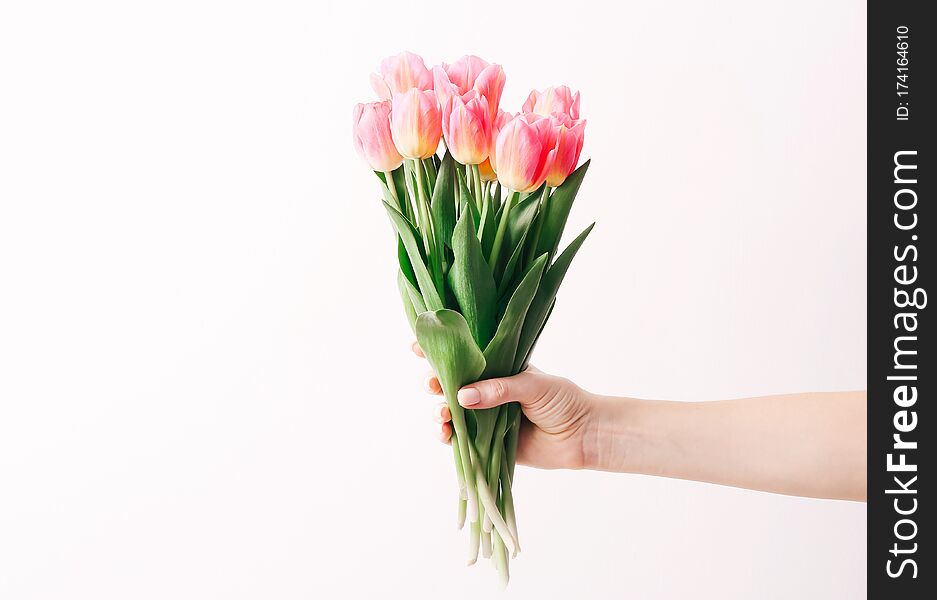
616, 434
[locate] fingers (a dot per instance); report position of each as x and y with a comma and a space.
441, 413
445, 434
494, 392
431, 384
415, 347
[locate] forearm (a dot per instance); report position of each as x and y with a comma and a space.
810, 444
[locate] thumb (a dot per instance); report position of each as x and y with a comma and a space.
521, 388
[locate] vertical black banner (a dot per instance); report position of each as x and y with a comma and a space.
901, 367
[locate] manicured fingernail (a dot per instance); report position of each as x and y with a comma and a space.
469, 397
428, 384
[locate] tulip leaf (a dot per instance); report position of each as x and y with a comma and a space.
471, 281
409, 238
400, 187
410, 295
543, 301
502, 349
467, 200
405, 267
526, 361
519, 219
442, 206
489, 222
557, 211
507, 277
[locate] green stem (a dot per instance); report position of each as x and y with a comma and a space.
477, 180
429, 235
541, 217
499, 234
507, 497
488, 501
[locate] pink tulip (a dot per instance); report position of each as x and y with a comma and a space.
553, 100
415, 123
466, 125
400, 73
564, 156
467, 74
503, 119
523, 147
372, 136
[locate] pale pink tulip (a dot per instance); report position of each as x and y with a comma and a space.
553, 100
564, 156
400, 73
372, 136
415, 123
466, 125
523, 147
503, 119
467, 74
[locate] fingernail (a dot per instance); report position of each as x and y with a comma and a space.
428, 384
469, 397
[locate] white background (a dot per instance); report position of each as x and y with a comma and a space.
206, 389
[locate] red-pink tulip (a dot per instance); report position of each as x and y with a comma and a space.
552, 101
564, 155
372, 136
466, 125
415, 123
400, 73
523, 147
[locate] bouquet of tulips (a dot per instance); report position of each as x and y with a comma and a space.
477, 230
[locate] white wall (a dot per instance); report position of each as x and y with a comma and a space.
205, 383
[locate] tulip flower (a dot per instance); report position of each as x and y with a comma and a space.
372, 136
486, 172
522, 149
553, 100
466, 125
467, 74
564, 155
400, 73
415, 123
503, 119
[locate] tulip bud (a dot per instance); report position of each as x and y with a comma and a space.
400, 73
372, 137
564, 155
523, 146
466, 125
415, 123
553, 100
467, 74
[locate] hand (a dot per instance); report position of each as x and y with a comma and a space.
558, 413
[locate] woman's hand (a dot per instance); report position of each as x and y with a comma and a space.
556, 431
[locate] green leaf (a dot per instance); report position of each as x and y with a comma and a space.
400, 186
557, 211
467, 199
471, 281
407, 294
530, 351
442, 206
502, 349
509, 269
446, 341
488, 226
519, 220
409, 238
546, 294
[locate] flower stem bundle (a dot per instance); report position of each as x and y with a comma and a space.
478, 231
